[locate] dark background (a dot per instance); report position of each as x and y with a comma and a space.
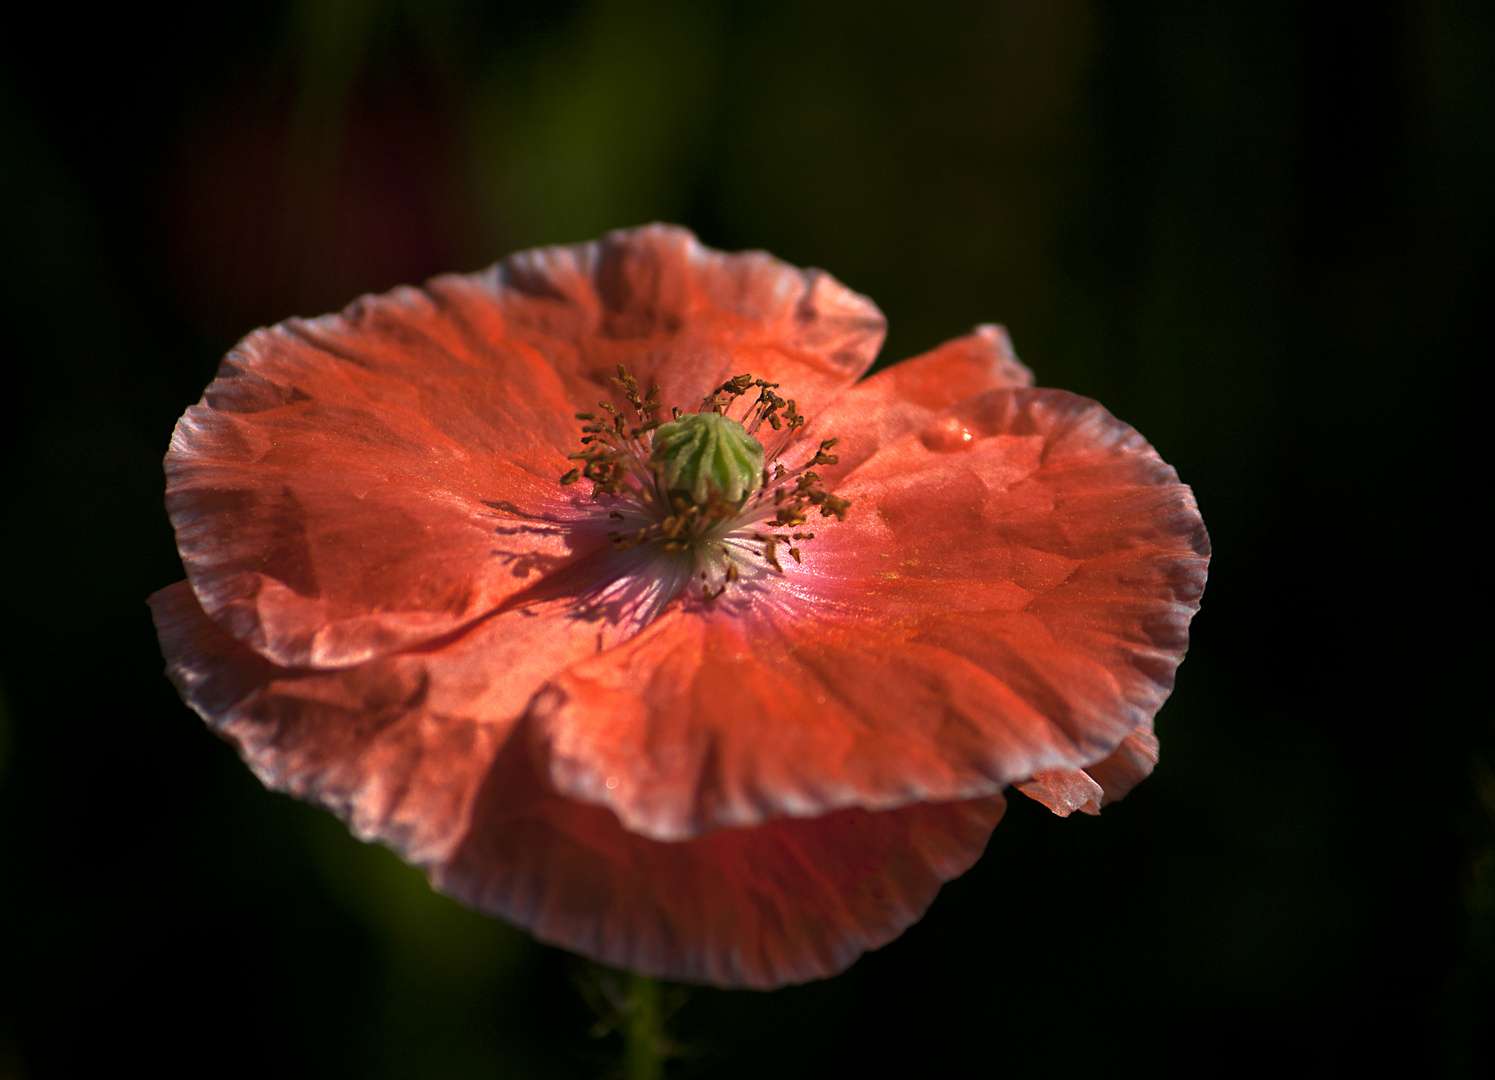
1256, 231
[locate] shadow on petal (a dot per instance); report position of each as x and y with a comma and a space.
787, 901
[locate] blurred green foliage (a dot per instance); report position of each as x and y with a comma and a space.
1258, 232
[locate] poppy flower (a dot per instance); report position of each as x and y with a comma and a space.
599, 587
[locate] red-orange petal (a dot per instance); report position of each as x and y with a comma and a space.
1010, 595
1127, 766
686, 318
399, 746
784, 902
908, 394
361, 483
417, 751
1089, 789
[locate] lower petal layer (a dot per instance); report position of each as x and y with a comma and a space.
398, 747
784, 902
419, 751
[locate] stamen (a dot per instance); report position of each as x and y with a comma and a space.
769, 555
687, 487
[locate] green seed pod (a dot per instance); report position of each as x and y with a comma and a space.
705, 452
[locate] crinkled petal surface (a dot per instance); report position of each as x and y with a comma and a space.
904, 397
364, 482
787, 901
414, 751
1010, 596
395, 610
399, 746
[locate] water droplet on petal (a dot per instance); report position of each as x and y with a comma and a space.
612, 782
946, 435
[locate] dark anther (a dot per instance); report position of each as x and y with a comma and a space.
834, 504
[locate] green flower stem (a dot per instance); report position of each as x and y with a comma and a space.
643, 1041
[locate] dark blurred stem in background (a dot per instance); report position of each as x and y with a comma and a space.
643, 1034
